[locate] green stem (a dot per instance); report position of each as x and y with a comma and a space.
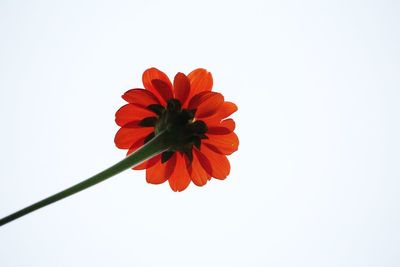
156, 146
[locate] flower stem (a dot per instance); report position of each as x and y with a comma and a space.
155, 146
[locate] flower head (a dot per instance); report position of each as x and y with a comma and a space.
200, 135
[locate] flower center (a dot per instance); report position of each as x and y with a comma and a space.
184, 131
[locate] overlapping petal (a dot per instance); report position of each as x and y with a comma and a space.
130, 113
163, 88
224, 127
217, 165
200, 80
160, 92
126, 137
140, 97
160, 172
206, 104
225, 110
198, 174
223, 144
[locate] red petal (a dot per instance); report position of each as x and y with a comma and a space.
200, 80
197, 99
181, 87
180, 178
223, 144
209, 106
155, 74
163, 89
215, 164
130, 113
140, 97
160, 172
206, 103
197, 173
224, 127
226, 109
126, 137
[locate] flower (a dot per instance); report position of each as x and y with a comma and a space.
200, 134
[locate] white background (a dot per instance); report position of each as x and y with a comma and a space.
315, 181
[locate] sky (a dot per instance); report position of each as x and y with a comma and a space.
315, 181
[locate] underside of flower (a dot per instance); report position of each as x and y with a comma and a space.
193, 121
183, 131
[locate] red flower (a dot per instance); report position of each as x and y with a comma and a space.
204, 137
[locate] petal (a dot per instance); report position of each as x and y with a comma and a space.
155, 74
197, 173
126, 137
130, 113
200, 80
140, 97
198, 98
181, 87
223, 144
224, 127
226, 109
163, 89
160, 172
206, 104
204, 162
146, 164
215, 164
180, 178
